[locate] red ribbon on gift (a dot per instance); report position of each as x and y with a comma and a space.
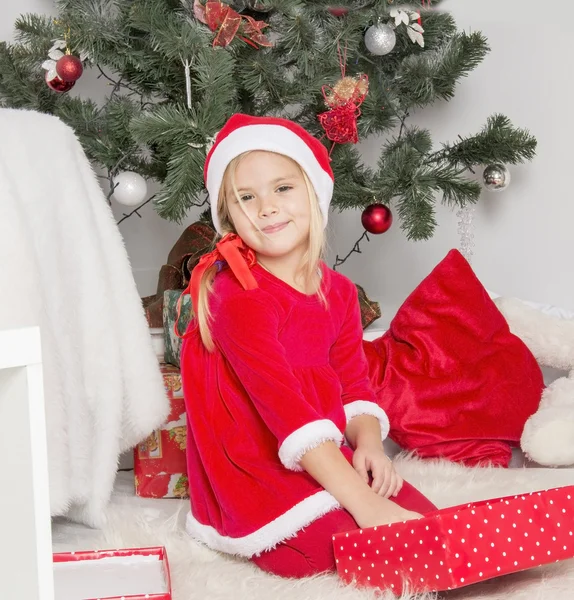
239, 257
228, 23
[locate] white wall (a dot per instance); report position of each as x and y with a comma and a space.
523, 235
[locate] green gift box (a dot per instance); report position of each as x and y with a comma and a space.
172, 342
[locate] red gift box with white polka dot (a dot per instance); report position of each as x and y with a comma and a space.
461, 545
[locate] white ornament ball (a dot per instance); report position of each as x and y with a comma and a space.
496, 177
380, 39
131, 188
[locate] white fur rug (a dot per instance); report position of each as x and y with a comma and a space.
197, 572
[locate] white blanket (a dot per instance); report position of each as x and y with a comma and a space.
63, 266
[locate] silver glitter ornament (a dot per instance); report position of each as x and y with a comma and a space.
496, 177
380, 39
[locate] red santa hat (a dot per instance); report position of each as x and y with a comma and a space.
242, 133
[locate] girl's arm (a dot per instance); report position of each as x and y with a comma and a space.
365, 431
327, 465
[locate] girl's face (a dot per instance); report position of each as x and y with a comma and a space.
275, 196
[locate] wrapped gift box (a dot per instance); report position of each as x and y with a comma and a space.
129, 574
461, 545
172, 342
159, 461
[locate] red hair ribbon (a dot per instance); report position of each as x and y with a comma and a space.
240, 259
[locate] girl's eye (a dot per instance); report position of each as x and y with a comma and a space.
284, 188
246, 197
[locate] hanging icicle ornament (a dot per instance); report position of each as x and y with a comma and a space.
466, 231
186, 66
343, 100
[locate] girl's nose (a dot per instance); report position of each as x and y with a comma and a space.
267, 207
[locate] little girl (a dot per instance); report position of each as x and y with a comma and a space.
284, 445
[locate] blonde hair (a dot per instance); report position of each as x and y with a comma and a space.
309, 268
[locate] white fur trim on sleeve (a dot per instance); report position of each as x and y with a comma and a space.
365, 407
307, 437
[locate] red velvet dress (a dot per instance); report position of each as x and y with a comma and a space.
286, 375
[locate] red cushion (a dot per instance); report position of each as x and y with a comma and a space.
453, 380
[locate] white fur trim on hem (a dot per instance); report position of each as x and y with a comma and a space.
365, 407
306, 438
267, 537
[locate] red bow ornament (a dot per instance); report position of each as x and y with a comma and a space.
228, 23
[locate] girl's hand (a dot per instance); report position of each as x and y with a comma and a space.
380, 511
386, 481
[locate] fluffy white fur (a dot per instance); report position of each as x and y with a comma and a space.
284, 527
198, 572
63, 266
363, 407
548, 436
306, 438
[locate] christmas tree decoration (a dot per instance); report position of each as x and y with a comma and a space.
62, 69
130, 188
465, 230
55, 54
69, 68
414, 30
496, 177
340, 122
347, 89
344, 99
58, 85
377, 218
173, 90
338, 11
380, 39
228, 23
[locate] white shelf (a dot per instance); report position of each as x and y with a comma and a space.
26, 549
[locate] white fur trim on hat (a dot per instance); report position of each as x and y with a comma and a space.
273, 138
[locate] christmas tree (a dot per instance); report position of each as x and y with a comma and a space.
177, 69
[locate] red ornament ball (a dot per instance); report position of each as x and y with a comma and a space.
58, 85
69, 68
377, 218
338, 11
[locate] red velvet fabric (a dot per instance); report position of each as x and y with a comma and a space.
453, 380
310, 552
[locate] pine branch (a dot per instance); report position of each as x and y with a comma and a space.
183, 184
415, 208
426, 77
498, 141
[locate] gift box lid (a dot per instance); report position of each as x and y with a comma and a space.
125, 574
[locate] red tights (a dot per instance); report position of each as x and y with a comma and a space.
311, 551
